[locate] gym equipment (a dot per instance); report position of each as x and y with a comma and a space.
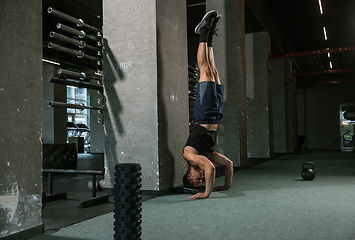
82, 203
79, 71
76, 106
79, 54
308, 174
65, 28
194, 76
74, 132
75, 84
80, 75
81, 34
63, 156
77, 129
127, 196
100, 185
78, 22
80, 44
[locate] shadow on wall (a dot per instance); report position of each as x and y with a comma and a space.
234, 120
112, 122
166, 158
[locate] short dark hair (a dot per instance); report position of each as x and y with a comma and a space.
187, 183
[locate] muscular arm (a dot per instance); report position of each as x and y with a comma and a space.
228, 172
192, 156
210, 176
227, 165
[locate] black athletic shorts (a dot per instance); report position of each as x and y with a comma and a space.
202, 140
208, 106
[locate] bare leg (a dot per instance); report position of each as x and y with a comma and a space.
206, 73
213, 65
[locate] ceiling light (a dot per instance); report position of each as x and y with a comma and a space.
48, 61
331, 65
325, 33
328, 54
320, 7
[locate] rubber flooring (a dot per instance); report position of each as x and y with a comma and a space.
266, 201
65, 212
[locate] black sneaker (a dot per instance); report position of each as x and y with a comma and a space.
213, 28
206, 21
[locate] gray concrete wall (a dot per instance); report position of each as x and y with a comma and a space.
264, 13
290, 101
259, 96
21, 115
145, 80
278, 101
172, 90
301, 131
322, 113
229, 52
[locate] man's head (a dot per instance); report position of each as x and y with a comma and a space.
193, 178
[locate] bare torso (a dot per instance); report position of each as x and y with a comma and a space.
210, 127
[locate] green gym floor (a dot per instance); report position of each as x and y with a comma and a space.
266, 201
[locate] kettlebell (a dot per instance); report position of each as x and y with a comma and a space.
308, 174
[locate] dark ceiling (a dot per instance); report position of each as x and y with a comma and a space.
300, 21
304, 23
302, 28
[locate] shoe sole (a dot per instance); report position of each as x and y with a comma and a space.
215, 21
203, 19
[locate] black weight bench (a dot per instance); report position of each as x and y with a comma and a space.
81, 203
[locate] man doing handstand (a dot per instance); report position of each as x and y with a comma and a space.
208, 110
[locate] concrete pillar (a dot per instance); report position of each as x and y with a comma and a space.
279, 82
146, 89
301, 123
259, 96
229, 52
291, 110
55, 119
21, 118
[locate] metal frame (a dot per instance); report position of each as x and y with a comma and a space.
75, 84
82, 203
64, 38
309, 65
65, 28
79, 54
76, 106
325, 71
331, 50
78, 22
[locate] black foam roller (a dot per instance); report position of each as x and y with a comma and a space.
127, 197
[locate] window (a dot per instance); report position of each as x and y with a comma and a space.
347, 125
77, 95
